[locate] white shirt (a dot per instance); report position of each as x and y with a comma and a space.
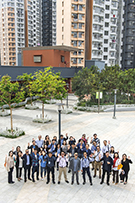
20, 162
62, 161
97, 156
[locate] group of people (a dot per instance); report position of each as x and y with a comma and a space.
45, 155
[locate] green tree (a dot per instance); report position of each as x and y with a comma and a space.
110, 77
10, 94
127, 81
86, 82
48, 85
27, 84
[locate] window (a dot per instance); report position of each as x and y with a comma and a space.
80, 7
105, 57
107, 7
106, 15
106, 32
106, 24
105, 49
62, 59
62, 37
38, 59
62, 12
62, 20
62, 3
62, 29
106, 41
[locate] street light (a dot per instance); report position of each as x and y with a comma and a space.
67, 92
59, 118
115, 91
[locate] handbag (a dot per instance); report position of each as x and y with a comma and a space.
119, 166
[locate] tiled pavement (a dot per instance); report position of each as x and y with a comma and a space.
120, 131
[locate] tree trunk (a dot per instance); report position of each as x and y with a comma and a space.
62, 105
11, 117
43, 110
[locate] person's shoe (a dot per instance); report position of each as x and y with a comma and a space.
99, 177
97, 169
101, 182
92, 169
58, 182
125, 183
116, 183
113, 182
25, 181
33, 180
69, 171
29, 179
94, 176
108, 183
91, 184
57, 169
72, 183
66, 181
12, 182
20, 178
83, 183
37, 178
47, 182
121, 181
53, 182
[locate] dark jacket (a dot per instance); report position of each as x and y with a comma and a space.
88, 152
35, 162
71, 166
106, 166
125, 164
64, 139
50, 161
25, 160
70, 150
17, 162
31, 147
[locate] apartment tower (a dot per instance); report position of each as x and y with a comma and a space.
71, 28
20, 26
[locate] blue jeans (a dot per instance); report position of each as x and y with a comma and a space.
43, 170
35, 169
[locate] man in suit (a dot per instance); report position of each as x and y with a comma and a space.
33, 146
75, 165
107, 165
35, 164
26, 164
72, 150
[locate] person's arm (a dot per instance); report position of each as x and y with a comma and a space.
81, 165
129, 160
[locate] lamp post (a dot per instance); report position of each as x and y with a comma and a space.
67, 93
59, 118
115, 91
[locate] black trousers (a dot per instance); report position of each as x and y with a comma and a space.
115, 174
10, 175
103, 175
88, 173
125, 176
48, 174
35, 169
27, 168
75, 173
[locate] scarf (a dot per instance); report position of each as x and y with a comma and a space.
114, 161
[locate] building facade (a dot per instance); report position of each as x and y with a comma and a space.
20, 26
105, 31
71, 28
128, 47
49, 22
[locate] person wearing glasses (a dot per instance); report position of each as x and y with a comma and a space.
26, 164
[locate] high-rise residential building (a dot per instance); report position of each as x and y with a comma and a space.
20, 26
71, 28
104, 30
128, 46
49, 22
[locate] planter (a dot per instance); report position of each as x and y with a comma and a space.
8, 134
39, 119
31, 107
4, 113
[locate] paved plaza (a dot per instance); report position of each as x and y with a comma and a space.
120, 131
